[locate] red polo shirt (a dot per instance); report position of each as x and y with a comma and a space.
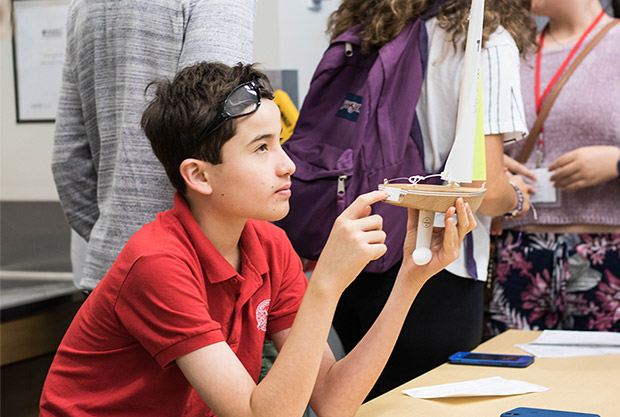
169, 293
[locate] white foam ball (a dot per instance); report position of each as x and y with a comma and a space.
422, 256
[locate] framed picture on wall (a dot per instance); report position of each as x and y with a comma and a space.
39, 35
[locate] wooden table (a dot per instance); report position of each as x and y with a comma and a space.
586, 384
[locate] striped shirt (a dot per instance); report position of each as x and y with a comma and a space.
438, 106
108, 179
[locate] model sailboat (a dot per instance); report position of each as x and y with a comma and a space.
466, 161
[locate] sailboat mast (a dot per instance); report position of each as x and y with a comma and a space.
459, 166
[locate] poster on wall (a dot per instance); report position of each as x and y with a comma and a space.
38, 55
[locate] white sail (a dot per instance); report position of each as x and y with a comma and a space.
459, 166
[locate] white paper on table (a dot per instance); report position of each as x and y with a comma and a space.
578, 338
556, 351
479, 387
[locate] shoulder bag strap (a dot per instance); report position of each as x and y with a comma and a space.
531, 138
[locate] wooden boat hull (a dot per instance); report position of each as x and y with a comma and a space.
437, 198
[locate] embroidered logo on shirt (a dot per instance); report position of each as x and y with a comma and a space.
350, 107
261, 314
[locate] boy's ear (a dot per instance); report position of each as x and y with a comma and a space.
195, 174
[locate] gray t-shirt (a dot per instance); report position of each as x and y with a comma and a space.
108, 179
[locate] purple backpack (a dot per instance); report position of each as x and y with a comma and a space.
356, 127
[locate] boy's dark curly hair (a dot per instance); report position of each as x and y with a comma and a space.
176, 118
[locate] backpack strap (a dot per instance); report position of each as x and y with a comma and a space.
544, 112
350, 35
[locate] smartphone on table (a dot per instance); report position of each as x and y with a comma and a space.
540, 412
491, 359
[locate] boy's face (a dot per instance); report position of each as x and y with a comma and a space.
253, 180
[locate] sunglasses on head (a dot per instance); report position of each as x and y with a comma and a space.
243, 100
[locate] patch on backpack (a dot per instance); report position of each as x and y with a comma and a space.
350, 107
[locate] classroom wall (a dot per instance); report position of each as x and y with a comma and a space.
298, 41
288, 36
25, 148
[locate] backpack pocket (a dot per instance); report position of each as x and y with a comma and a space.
318, 197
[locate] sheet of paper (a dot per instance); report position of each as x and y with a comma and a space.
578, 338
555, 351
475, 388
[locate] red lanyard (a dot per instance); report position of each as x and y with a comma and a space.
540, 99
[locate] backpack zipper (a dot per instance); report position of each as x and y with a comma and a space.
348, 49
340, 191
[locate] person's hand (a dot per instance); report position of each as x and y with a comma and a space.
445, 242
517, 167
496, 226
585, 167
355, 239
526, 189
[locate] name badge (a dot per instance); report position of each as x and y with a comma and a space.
546, 193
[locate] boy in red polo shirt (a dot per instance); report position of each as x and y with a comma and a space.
177, 325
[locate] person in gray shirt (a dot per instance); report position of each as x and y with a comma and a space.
108, 179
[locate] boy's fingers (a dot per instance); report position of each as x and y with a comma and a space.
461, 215
412, 218
357, 207
374, 222
468, 222
379, 251
374, 237
450, 235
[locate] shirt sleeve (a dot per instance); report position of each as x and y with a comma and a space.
163, 305
501, 92
219, 30
72, 163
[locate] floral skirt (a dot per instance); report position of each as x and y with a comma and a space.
555, 281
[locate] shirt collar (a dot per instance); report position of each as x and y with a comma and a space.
216, 267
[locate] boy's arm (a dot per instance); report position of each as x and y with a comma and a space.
342, 386
220, 378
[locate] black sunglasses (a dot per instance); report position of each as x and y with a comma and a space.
243, 100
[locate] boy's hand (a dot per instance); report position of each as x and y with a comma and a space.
445, 243
356, 239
